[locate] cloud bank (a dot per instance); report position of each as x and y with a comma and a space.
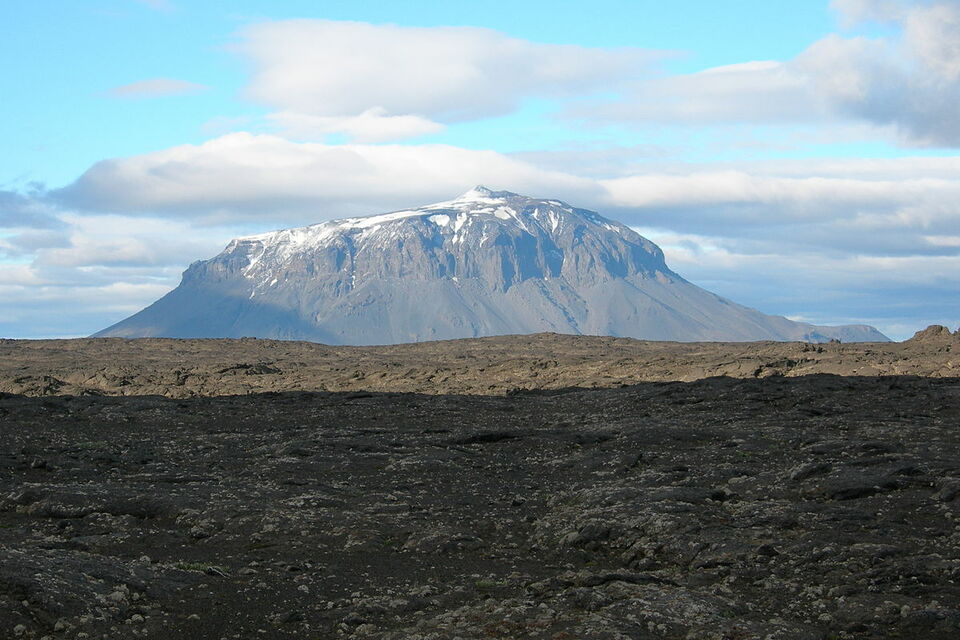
242, 176
891, 207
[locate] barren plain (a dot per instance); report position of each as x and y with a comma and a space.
485, 366
542, 486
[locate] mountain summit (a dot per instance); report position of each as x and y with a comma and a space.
486, 263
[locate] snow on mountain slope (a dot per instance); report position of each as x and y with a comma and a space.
486, 263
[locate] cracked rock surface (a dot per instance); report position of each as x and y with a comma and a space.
820, 507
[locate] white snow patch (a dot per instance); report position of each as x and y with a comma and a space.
281, 245
554, 220
253, 261
477, 195
371, 221
265, 252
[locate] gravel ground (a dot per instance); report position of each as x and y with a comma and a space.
816, 506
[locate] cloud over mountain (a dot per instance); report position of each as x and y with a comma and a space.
256, 176
892, 207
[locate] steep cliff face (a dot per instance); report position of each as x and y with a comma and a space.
486, 263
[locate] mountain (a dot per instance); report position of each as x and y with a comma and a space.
486, 263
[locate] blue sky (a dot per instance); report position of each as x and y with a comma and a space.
800, 158
61, 117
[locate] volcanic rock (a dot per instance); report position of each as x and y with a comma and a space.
804, 507
936, 333
491, 366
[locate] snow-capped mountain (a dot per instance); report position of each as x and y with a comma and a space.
486, 263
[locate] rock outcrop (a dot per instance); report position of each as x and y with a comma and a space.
936, 333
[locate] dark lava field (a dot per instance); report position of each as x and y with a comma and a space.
814, 506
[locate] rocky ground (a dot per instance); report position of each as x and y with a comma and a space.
816, 506
489, 366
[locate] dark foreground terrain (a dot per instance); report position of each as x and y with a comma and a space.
818, 507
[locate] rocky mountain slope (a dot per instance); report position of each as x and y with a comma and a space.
487, 263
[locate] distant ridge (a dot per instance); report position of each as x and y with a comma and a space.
486, 263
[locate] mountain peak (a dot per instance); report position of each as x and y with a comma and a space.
478, 190
481, 192
486, 263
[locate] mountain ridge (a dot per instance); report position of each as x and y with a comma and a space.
485, 263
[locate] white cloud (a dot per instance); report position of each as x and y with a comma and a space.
27, 241
900, 168
854, 11
841, 211
877, 81
784, 198
874, 207
262, 177
25, 210
156, 88
18, 276
933, 36
37, 309
373, 125
911, 81
326, 72
102, 269
122, 242
943, 241
755, 92
908, 82
374, 83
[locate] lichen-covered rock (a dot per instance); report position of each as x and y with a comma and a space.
811, 507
